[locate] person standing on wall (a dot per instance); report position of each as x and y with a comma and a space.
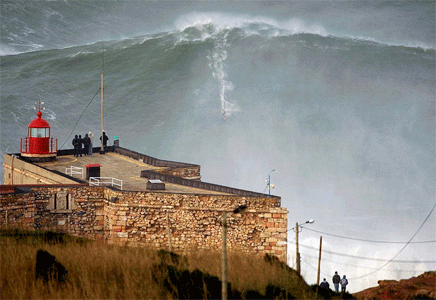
104, 138
86, 143
75, 143
80, 144
336, 279
91, 138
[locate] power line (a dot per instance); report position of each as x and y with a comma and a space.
351, 278
79, 118
428, 216
360, 266
325, 274
395, 270
362, 240
387, 261
366, 258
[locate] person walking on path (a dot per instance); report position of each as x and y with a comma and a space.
91, 138
76, 146
324, 284
80, 144
336, 279
344, 283
86, 142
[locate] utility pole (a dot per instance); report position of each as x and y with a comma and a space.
239, 210
224, 259
169, 232
102, 128
269, 182
297, 253
319, 261
69, 224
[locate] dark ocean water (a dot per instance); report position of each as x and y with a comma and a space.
337, 97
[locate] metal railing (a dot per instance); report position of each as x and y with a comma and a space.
52, 146
74, 170
98, 181
153, 161
150, 174
24, 145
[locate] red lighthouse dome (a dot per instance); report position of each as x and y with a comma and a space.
38, 145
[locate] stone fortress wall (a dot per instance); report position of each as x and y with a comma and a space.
185, 221
147, 219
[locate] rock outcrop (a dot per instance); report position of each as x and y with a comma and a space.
420, 287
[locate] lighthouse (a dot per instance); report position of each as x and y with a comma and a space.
38, 146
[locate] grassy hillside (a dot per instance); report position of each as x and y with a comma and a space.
99, 271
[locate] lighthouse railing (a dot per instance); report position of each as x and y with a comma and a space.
24, 145
52, 145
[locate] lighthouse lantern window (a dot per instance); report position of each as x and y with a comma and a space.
40, 132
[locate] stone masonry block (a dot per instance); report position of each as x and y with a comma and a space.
265, 234
116, 228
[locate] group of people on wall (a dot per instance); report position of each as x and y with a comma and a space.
84, 145
337, 280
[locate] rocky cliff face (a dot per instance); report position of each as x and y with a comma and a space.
420, 287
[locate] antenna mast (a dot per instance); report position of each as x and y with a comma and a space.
102, 128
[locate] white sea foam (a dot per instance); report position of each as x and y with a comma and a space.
222, 21
5, 50
217, 57
257, 24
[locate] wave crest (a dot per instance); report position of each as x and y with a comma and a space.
213, 22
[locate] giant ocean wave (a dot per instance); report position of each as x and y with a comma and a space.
338, 99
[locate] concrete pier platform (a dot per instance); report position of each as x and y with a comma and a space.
121, 167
